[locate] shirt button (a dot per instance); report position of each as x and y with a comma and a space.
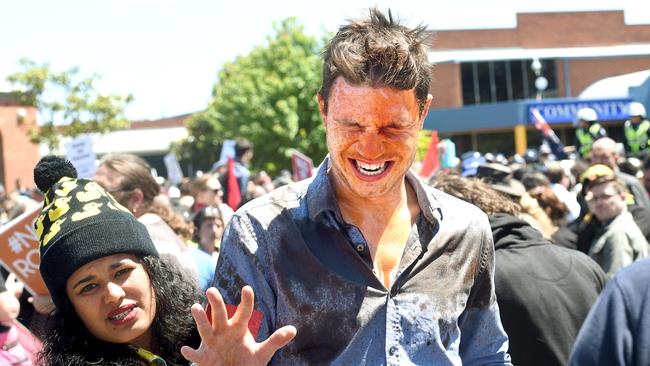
392, 350
361, 248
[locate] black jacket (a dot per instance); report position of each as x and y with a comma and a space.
544, 292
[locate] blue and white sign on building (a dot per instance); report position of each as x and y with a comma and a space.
565, 111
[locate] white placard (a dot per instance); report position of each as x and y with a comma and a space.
80, 153
174, 172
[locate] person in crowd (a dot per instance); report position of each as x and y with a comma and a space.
617, 330
208, 191
118, 302
501, 178
9, 304
646, 174
282, 179
580, 233
370, 265
18, 346
544, 291
578, 168
553, 207
637, 136
128, 178
242, 159
560, 184
534, 179
588, 130
619, 241
264, 181
208, 229
604, 151
538, 187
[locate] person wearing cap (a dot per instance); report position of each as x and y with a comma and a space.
588, 130
501, 179
118, 303
105, 278
636, 128
604, 151
619, 241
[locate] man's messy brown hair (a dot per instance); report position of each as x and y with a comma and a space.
378, 51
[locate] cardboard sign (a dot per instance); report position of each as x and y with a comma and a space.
302, 166
19, 251
80, 153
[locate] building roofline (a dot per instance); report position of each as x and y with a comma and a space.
515, 53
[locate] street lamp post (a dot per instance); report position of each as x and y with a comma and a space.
541, 83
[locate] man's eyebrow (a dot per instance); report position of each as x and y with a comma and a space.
347, 122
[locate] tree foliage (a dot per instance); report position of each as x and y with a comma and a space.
267, 97
68, 104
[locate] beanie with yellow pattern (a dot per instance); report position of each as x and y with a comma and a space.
80, 222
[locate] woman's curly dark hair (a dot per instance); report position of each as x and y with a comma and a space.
69, 343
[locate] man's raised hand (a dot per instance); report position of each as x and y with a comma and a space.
229, 341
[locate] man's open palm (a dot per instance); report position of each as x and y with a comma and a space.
229, 341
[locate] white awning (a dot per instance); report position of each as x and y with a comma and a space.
615, 86
138, 141
501, 54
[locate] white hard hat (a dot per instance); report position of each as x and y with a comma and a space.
636, 109
587, 114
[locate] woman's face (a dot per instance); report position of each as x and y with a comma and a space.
114, 299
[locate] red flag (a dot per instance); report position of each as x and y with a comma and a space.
234, 195
543, 126
432, 159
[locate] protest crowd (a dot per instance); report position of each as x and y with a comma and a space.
532, 259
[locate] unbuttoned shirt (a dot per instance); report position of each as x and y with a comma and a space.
311, 269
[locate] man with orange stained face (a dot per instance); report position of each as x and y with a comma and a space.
369, 265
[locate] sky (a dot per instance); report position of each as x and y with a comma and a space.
167, 53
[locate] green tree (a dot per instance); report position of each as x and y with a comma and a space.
269, 98
68, 104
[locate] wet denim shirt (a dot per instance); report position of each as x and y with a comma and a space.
310, 269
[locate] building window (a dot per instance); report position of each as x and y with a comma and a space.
500, 81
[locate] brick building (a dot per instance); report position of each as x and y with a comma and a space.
18, 155
484, 80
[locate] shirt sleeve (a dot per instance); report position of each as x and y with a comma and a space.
242, 262
483, 339
605, 338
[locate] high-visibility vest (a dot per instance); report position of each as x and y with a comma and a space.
586, 138
637, 138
